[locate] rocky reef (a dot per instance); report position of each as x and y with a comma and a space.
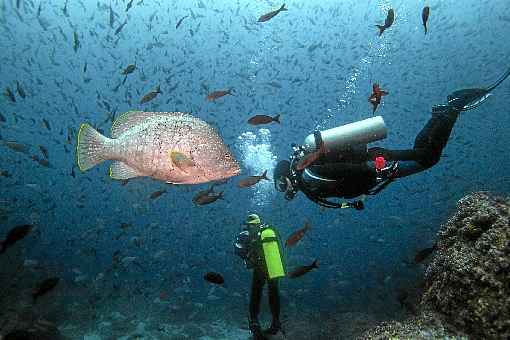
467, 283
425, 326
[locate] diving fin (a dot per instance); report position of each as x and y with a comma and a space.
476, 103
468, 99
499, 81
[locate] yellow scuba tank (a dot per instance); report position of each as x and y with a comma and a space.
272, 252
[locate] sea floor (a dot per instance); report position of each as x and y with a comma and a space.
117, 326
94, 310
141, 318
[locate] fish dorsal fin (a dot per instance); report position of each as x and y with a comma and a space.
130, 119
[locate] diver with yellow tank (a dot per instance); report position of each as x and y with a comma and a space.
260, 247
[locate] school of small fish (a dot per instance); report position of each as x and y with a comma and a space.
129, 125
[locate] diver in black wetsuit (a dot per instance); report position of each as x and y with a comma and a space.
348, 169
259, 246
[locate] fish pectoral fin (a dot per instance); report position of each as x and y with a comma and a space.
120, 170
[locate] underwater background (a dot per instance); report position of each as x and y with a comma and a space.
315, 65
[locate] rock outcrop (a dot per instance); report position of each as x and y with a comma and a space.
468, 280
467, 283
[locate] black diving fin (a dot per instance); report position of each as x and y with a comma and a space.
468, 99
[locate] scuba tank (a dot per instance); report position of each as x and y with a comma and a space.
261, 245
347, 136
346, 143
272, 253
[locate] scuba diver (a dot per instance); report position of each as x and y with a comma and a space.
260, 248
337, 163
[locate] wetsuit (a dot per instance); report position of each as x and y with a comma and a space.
348, 175
254, 259
351, 175
257, 284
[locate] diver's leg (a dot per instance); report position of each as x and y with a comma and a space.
342, 170
257, 284
274, 305
408, 160
432, 139
428, 145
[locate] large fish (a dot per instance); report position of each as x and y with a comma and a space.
143, 144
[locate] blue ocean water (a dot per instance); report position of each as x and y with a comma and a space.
315, 65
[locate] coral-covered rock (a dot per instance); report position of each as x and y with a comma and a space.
468, 280
467, 284
427, 325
